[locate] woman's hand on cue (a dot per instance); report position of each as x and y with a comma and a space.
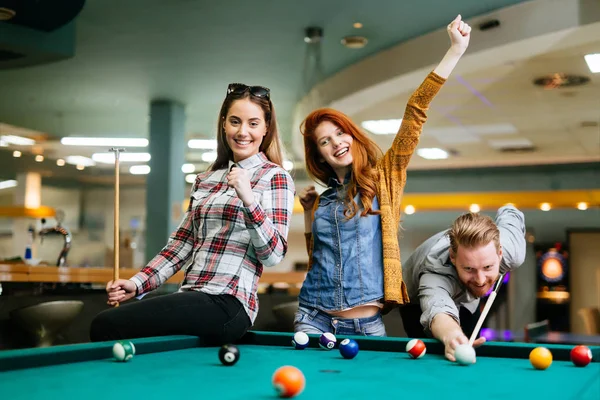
119, 291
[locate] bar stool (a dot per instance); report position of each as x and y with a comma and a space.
45, 321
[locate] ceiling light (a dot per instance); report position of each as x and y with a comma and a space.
106, 142
582, 206
39, 158
206, 144
60, 162
16, 153
288, 165
409, 210
383, 126
139, 170
17, 140
355, 42
432, 153
545, 207
80, 160
357, 25
191, 178
8, 184
109, 158
80, 167
593, 62
474, 208
188, 168
209, 157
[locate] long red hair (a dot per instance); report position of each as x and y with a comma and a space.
365, 154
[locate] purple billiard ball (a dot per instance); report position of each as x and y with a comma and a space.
327, 341
348, 348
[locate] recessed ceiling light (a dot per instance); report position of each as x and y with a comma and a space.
409, 209
432, 153
16, 154
190, 178
382, 126
60, 162
288, 165
209, 157
188, 168
474, 208
355, 42
207, 144
17, 140
106, 142
109, 158
545, 207
8, 184
357, 25
593, 62
139, 169
39, 158
80, 160
582, 206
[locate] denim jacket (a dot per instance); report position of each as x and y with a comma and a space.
347, 269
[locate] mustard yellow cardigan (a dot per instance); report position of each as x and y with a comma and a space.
390, 187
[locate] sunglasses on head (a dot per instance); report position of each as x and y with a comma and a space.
240, 88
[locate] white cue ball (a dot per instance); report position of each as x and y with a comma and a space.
465, 354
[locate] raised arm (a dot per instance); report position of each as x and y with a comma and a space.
395, 161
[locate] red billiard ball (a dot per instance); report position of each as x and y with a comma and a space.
581, 356
288, 381
416, 348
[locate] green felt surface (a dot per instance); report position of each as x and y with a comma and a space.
196, 373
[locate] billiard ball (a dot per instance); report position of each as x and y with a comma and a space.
540, 358
348, 348
288, 381
416, 348
300, 340
464, 354
123, 350
327, 341
581, 356
229, 354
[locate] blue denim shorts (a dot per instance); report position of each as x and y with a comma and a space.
311, 320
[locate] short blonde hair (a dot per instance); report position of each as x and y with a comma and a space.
472, 230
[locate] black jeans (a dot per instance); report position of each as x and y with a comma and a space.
411, 315
215, 319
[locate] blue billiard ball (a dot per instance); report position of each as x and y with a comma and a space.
300, 340
327, 341
348, 348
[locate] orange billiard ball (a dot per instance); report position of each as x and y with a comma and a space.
540, 358
288, 381
581, 356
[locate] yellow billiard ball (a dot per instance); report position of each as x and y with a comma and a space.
540, 358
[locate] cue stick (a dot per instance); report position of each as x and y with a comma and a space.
116, 216
486, 309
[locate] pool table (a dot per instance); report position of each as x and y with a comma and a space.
176, 367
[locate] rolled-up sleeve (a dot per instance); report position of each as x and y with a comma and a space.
511, 223
435, 298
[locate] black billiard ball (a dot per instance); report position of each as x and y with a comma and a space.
229, 354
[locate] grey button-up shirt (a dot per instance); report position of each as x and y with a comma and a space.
431, 277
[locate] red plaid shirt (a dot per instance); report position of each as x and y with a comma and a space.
225, 242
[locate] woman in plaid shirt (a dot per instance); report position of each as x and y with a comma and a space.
237, 222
